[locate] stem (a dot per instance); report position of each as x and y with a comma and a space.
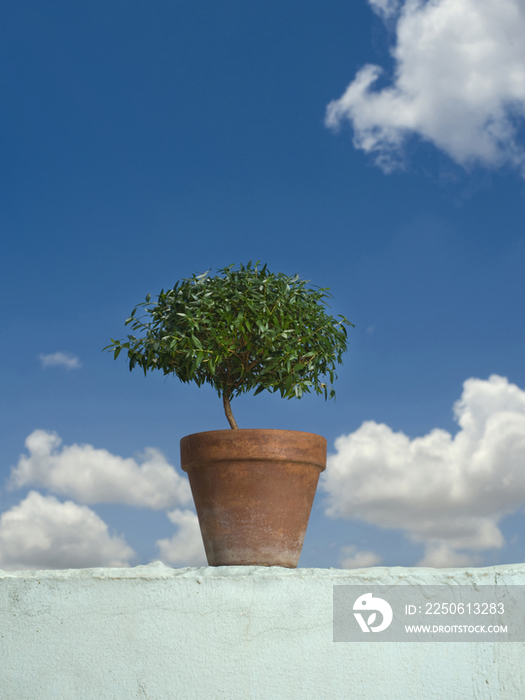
228, 412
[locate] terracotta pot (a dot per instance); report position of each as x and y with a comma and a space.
253, 491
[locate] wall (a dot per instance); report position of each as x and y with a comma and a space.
155, 633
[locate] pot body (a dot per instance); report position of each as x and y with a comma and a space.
253, 491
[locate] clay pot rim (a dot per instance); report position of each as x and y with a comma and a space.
255, 445
229, 431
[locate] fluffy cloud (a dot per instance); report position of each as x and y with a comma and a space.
60, 359
459, 83
42, 533
92, 475
439, 555
447, 492
185, 547
385, 8
352, 558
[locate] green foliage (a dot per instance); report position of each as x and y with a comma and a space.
241, 330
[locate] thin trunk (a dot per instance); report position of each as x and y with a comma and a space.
228, 412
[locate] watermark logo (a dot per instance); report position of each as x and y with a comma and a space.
368, 602
435, 613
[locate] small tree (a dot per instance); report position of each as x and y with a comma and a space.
242, 330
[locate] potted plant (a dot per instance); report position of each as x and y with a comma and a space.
243, 330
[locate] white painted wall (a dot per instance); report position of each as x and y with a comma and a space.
242, 633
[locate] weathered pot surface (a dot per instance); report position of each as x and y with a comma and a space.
253, 491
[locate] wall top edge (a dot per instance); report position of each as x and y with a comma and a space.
508, 573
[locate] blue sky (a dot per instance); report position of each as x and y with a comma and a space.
375, 148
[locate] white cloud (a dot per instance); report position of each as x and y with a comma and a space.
459, 83
92, 475
352, 558
185, 547
441, 556
60, 359
42, 533
385, 8
447, 492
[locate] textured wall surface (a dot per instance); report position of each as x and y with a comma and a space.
155, 633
